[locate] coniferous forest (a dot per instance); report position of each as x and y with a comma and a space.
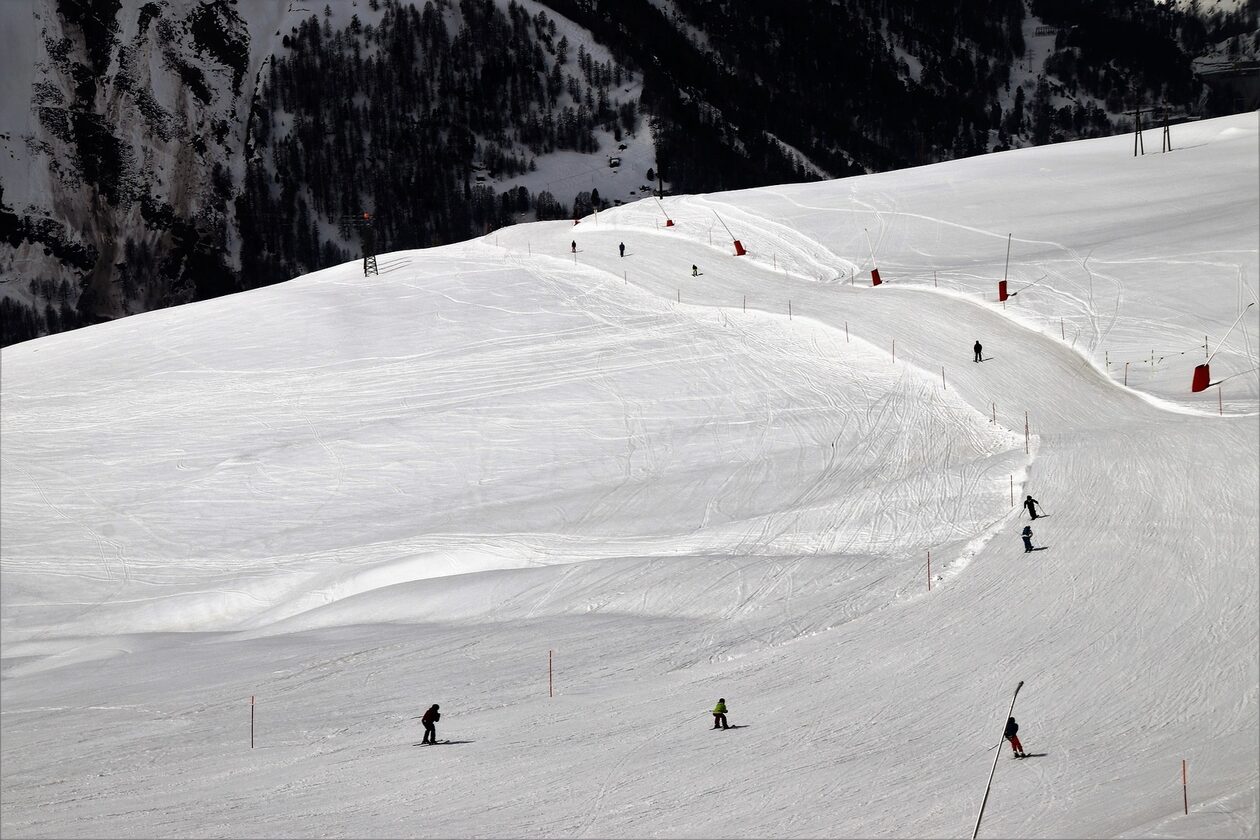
402, 116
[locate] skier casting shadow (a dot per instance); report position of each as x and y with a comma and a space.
1030, 504
979, 351
430, 719
719, 714
1010, 734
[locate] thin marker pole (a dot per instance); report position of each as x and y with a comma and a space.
929, 570
994, 420
935, 285
894, 351
251, 721
846, 332
943, 379
1025, 432
1012, 491
550, 692
1008, 256
745, 303
1185, 794
1126, 373
996, 756
1062, 330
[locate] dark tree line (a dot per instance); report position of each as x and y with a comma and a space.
402, 119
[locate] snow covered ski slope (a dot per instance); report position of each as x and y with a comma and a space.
351, 498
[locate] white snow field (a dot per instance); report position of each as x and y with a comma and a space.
351, 498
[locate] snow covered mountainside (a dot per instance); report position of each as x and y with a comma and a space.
512, 468
159, 152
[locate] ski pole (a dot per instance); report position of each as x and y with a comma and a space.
998, 744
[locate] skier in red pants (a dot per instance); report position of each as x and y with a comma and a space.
1011, 728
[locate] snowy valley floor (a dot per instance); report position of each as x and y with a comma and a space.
351, 498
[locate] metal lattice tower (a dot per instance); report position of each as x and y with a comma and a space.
367, 234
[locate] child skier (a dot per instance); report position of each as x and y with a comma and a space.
1027, 535
1010, 734
719, 714
430, 717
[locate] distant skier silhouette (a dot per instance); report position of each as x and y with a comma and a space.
573, 246
695, 272
1031, 504
1027, 535
978, 350
1010, 734
431, 717
622, 248
719, 714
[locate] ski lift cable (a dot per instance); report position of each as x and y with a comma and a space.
1232, 375
728, 230
1030, 285
1230, 330
869, 245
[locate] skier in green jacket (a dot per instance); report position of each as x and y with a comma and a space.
719, 714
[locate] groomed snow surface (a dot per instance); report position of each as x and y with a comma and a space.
351, 498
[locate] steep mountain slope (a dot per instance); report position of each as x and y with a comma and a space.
118, 173
683, 488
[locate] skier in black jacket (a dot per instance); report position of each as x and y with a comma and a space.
430, 731
1031, 504
979, 350
1010, 734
